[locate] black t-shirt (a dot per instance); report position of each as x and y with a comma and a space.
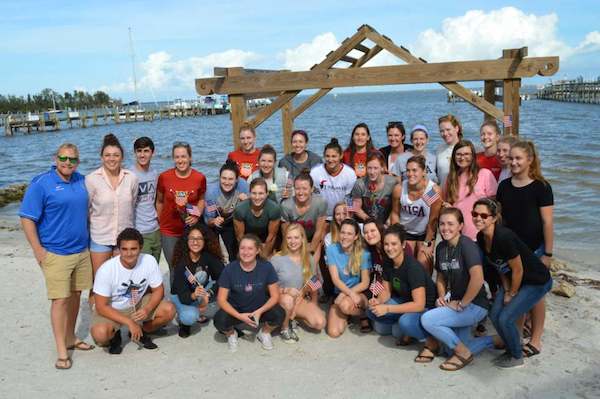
248, 291
455, 263
407, 277
521, 209
506, 245
182, 287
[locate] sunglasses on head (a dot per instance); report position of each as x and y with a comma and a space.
482, 215
72, 160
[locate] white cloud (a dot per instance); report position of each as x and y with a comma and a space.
304, 56
478, 34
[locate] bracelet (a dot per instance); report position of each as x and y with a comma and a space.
548, 254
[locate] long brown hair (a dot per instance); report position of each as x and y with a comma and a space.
181, 253
535, 169
307, 271
454, 121
453, 175
352, 146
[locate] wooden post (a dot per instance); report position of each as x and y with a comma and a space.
42, 122
287, 125
56, 122
95, 118
489, 95
238, 108
511, 101
117, 116
83, 119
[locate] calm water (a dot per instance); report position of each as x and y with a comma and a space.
567, 136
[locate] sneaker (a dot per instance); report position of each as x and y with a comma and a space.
184, 331
286, 336
265, 340
147, 343
114, 346
293, 328
510, 363
232, 341
502, 357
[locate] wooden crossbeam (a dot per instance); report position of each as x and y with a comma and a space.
362, 48
349, 59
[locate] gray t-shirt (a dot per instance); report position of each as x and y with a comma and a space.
145, 218
289, 272
295, 168
317, 209
376, 204
399, 167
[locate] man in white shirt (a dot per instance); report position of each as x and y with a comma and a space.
129, 291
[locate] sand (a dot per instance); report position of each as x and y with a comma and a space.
353, 366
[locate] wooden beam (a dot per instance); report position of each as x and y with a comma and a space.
349, 59
287, 126
511, 102
223, 71
362, 48
515, 52
489, 95
444, 72
238, 109
262, 95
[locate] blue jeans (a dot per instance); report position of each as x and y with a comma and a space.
398, 324
504, 316
452, 327
188, 314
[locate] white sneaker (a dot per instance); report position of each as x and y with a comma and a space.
265, 340
232, 342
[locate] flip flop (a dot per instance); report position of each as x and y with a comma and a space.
63, 363
81, 346
529, 350
457, 366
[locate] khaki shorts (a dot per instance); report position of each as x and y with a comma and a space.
97, 319
67, 273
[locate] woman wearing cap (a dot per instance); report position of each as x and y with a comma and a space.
451, 132
246, 157
300, 159
419, 136
278, 181
396, 146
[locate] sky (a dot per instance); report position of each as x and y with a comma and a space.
84, 45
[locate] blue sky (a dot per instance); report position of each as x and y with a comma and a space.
69, 45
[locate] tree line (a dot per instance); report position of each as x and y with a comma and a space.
49, 99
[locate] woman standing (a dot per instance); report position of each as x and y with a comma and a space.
467, 183
503, 154
295, 267
258, 215
277, 179
246, 157
419, 136
372, 194
179, 198
461, 301
300, 159
248, 293
488, 158
359, 148
528, 210
349, 266
222, 198
334, 180
198, 264
408, 292
396, 146
451, 132
112, 192
525, 279
416, 205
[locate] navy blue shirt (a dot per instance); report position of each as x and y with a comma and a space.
60, 211
248, 291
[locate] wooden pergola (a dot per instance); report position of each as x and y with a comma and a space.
506, 72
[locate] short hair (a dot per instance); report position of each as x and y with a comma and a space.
419, 160
130, 234
301, 133
143, 142
305, 176
268, 149
397, 230
247, 126
182, 144
69, 146
259, 181
452, 211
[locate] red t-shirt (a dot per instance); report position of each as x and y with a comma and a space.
492, 163
177, 193
360, 162
247, 163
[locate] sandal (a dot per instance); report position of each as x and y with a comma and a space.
456, 366
529, 350
80, 346
365, 325
203, 319
423, 357
63, 363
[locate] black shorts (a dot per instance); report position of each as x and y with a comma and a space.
225, 322
414, 237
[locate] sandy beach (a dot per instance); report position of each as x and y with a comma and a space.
353, 366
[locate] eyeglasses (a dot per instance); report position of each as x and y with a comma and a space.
465, 155
72, 160
199, 239
481, 215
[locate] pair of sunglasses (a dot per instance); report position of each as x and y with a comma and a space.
482, 215
72, 160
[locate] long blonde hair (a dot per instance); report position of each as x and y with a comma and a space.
358, 247
535, 169
305, 257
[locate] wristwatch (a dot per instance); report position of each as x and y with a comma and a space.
548, 254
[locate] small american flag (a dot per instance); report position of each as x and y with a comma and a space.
190, 276
211, 206
431, 196
350, 204
376, 287
135, 297
507, 120
314, 283
192, 210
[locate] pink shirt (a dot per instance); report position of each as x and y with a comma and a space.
111, 210
486, 186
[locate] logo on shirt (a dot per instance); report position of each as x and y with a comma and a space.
414, 210
248, 287
452, 265
59, 188
181, 198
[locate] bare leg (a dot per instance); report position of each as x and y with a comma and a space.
97, 258
164, 314
538, 318
102, 333
336, 322
59, 310
311, 315
287, 303
73, 311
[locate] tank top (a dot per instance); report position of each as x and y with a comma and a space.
414, 215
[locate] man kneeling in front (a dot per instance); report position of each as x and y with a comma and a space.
129, 291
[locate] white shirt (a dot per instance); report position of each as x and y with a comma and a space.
399, 167
333, 188
115, 281
443, 153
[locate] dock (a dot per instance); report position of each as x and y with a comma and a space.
575, 91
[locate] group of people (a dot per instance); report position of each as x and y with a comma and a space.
273, 244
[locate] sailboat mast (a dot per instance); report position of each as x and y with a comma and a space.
133, 65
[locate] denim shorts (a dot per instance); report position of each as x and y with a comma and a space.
95, 247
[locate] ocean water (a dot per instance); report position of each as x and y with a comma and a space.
567, 136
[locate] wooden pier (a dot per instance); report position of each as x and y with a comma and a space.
575, 91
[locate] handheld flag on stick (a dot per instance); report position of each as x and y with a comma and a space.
376, 287
314, 283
